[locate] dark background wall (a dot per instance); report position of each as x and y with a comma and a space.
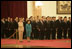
14, 9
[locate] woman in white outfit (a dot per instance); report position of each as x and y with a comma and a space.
20, 29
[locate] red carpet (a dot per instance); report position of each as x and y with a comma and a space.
60, 43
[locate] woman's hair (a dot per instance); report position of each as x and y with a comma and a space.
28, 21
20, 18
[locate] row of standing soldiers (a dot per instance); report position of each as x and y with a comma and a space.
43, 28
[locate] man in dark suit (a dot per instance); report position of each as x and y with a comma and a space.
41, 29
36, 29
2, 28
69, 28
48, 28
8, 28
16, 23
16, 26
24, 34
59, 27
44, 25
34, 32
65, 26
53, 27
11, 27
32, 23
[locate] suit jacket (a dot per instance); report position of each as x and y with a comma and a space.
59, 24
15, 25
2, 26
65, 25
36, 25
41, 25
48, 25
33, 25
6, 25
44, 24
24, 23
69, 24
53, 25
12, 25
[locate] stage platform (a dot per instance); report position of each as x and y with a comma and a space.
58, 43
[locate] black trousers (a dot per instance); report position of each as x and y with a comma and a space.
53, 34
11, 32
6, 33
69, 34
65, 34
2, 33
31, 35
24, 34
41, 34
59, 34
45, 34
48, 32
36, 34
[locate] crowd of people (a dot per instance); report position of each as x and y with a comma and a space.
37, 27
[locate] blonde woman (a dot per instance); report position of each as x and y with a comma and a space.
20, 29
